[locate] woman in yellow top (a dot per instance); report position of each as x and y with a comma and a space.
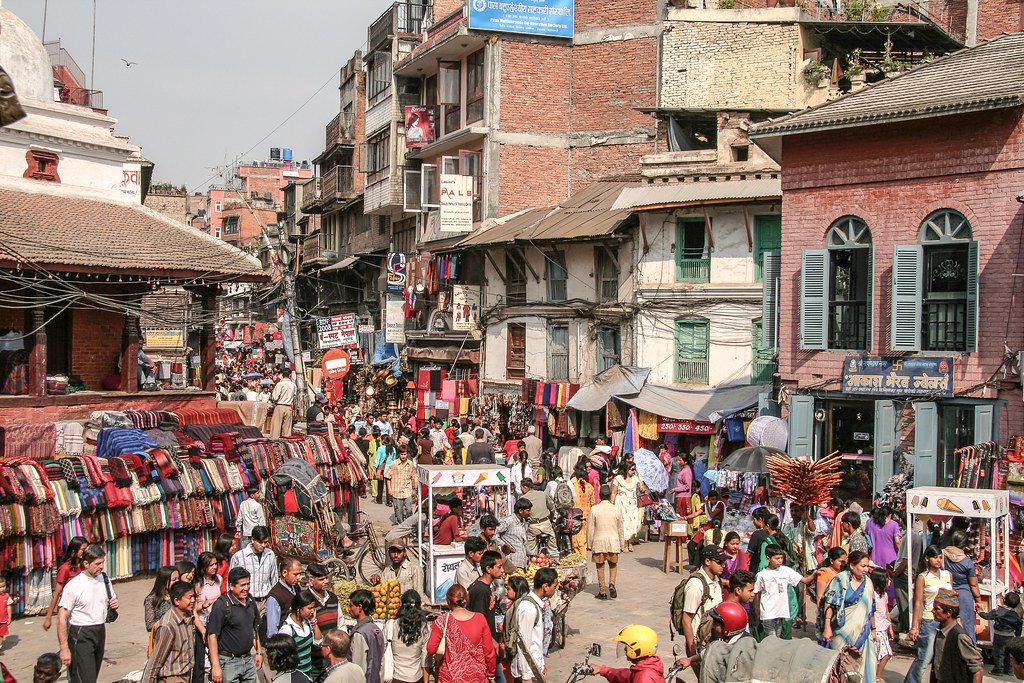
924, 627
584, 501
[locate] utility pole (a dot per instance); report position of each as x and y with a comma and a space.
288, 291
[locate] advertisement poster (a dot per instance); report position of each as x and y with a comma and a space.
165, 339
419, 126
456, 198
338, 330
397, 272
533, 17
465, 307
878, 376
394, 321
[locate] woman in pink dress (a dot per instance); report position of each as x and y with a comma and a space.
469, 655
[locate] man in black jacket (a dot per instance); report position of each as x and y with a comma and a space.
957, 659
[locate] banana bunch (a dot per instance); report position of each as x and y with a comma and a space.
387, 595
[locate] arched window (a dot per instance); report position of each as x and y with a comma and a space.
935, 287
837, 288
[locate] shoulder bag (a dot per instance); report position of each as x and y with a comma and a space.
388, 664
111, 612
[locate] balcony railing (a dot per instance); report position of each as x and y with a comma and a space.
341, 130
311, 193
402, 17
944, 326
338, 183
693, 270
762, 372
691, 371
311, 250
83, 97
848, 325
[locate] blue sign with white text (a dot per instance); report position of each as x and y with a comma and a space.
535, 17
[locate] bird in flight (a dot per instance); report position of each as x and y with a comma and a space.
127, 63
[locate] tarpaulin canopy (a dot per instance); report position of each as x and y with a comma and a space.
629, 385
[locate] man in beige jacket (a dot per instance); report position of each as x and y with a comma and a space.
605, 540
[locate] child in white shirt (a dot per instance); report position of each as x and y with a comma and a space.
771, 591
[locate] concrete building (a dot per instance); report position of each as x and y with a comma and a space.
901, 216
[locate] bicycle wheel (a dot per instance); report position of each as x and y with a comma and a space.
340, 570
365, 566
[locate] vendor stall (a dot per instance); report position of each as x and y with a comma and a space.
482, 489
992, 508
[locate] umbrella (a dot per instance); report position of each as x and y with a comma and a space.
252, 375
267, 382
650, 469
749, 459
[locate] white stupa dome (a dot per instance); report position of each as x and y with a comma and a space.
24, 58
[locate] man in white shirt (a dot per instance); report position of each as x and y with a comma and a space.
702, 591
533, 447
469, 569
384, 425
250, 516
530, 620
283, 399
261, 563
82, 618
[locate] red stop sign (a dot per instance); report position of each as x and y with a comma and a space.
336, 363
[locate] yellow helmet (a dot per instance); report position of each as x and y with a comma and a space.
637, 642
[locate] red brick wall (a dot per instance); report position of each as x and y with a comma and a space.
893, 177
533, 73
591, 14
609, 80
593, 163
95, 345
442, 8
531, 176
998, 16
12, 318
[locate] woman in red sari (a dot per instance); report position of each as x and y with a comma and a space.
737, 560
469, 648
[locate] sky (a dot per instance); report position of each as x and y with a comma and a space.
213, 77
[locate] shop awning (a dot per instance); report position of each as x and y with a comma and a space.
442, 355
629, 385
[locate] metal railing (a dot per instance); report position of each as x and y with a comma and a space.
762, 372
848, 325
944, 326
938, 13
341, 129
61, 58
82, 97
693, 270
402, 17
691, 371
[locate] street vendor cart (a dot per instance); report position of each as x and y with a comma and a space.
301, 517
482, 489
939, 504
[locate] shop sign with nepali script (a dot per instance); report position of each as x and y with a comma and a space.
914, 376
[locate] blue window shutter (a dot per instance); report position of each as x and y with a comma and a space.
801, 426
772, 272
885, 442
983, 423
871, 299
814, 299
926, 443
972, 298
906, 297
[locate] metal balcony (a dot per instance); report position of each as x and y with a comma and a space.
401, 18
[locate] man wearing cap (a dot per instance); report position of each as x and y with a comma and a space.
315, 412
409, 574
957, 659
703, 582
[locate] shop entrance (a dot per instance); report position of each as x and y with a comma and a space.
956, 430
850, 429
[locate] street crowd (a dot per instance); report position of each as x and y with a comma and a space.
240, 610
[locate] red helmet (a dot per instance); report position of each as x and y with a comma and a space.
732, 616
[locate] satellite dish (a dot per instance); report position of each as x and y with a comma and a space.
769, 431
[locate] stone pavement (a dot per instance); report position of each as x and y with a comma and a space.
644, 596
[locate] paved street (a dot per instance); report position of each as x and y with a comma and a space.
644, 595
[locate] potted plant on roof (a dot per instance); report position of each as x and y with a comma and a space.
890, 65
855, 70
818, 73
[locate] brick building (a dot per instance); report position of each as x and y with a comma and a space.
901, 235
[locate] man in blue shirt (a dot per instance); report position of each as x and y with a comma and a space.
384, 424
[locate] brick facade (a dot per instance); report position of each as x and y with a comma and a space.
172, 204
609, 80
532, 73
540, 177
95, 345
893, 176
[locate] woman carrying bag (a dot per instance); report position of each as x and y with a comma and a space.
464, 640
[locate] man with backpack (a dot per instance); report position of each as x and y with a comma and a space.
540, 516
523, 634
564, 496
697, 594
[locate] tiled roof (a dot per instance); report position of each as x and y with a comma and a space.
988, 76
53, 226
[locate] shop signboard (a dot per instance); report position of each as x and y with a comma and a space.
365, 329
456, 200
336, 364
685, 426
533, 17
165, 339
397, 272
445, 568
479, 475
419, 126
247, 335
950, 502
394, 321
913, 376
465, 307
338, 330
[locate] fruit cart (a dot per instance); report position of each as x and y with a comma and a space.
572, 579
482, 489
939, 504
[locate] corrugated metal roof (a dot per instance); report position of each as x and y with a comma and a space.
588, 213
989, 76
680, 194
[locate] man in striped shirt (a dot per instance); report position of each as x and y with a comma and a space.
261, 563
172, 659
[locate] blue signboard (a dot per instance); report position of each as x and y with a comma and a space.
914, 376
535, 17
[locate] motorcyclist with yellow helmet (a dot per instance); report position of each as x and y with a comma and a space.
640, 645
